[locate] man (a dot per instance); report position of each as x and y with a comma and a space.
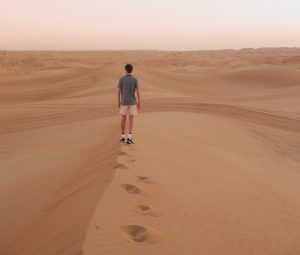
128, 86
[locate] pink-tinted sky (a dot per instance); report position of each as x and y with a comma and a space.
145, 24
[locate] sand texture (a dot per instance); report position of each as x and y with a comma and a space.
215, 168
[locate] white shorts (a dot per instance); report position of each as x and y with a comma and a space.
128, 109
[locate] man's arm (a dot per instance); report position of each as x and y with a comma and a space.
119, 97
139, 98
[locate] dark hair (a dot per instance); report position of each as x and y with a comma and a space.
129, 68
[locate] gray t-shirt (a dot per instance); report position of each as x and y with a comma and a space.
128, 84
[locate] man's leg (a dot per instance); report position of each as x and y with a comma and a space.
130, 124
132, 112
123, 123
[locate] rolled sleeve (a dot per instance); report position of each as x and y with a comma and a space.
136, 84
120, 84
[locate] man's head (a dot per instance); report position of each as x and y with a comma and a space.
129, 68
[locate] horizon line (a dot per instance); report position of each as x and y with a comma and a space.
122, 50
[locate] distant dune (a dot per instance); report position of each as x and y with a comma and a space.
214, 170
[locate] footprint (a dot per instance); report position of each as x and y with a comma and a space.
119, 166
131, 188
147, 210
123, 153
140, 234
144, 179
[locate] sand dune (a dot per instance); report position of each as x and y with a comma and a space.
215, 167
218, 186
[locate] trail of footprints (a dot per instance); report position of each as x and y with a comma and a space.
138, 233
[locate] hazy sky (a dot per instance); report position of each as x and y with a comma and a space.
145, 24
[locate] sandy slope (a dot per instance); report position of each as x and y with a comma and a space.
200, 184
215, 167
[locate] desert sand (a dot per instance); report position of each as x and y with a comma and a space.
215, 168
